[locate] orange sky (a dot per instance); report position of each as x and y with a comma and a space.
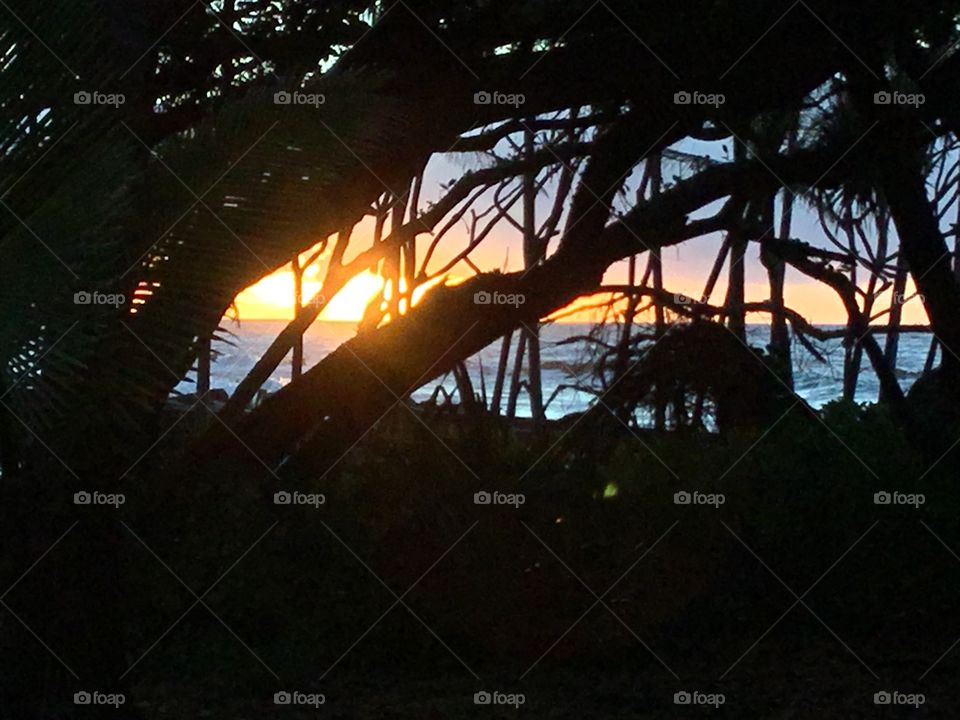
686, 267
272, 298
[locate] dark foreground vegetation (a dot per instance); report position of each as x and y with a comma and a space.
597, 596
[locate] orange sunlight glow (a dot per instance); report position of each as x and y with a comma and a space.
816, 303
272, 299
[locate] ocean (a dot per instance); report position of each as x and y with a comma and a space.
563, 362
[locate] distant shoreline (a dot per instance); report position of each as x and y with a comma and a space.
822, 326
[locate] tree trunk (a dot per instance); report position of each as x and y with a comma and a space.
515, 381
891, 348
468, 399
852, 355
656, 275
504, 361
736, 317
736, 286
716, 270
927, 256
532, 256
296, 370
203, 368
776, 272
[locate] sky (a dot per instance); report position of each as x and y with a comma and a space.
686, 266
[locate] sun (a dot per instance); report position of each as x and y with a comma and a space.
272, 297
